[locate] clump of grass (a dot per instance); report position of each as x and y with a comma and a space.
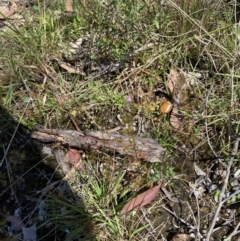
100, 195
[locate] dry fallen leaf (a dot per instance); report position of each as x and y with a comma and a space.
69, 7
63, 160
8, 10
178, 87
69, 68
172, 79
198, 170
141, 200
175, 118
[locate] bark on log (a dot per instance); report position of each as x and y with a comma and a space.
142, 148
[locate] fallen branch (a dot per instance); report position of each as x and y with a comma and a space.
142, 148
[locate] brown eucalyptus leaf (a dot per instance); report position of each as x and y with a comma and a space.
142, 199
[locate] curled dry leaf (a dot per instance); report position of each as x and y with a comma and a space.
178, 87
8, 10
198, 170
69, 68
75, 46
172, 79
175, 118
63, 160
141, 200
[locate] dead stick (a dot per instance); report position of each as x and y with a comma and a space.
147, 149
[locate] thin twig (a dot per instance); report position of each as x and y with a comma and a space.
198, 214
227, 222
231, 196
234, 232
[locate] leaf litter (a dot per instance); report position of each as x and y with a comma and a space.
142, 199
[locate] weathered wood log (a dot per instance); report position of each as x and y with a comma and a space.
142, 148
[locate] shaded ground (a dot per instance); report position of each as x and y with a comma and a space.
26, 176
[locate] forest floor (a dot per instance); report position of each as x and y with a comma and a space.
162, 72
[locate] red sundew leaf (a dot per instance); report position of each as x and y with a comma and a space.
142, 199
